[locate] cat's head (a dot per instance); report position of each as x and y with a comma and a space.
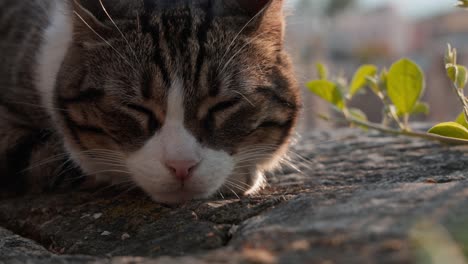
187, 98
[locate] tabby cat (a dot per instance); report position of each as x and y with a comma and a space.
182, 98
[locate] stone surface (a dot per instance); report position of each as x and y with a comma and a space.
347, 197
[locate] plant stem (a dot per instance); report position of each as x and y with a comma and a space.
433, 137
462, 98
406, 122
388, 110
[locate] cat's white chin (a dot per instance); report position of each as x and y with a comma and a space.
156, 180
163, 188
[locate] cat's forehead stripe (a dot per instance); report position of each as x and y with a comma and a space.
202, 37
145, 20
173, 33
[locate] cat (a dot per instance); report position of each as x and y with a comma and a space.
184, 99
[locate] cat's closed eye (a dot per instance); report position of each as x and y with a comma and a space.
224, 105
152, 123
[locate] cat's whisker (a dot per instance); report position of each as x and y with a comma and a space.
244, 97
86, 175
240, 182
103, 154
228, 49
69, 163
107, 171
260, 154
114, 165
232, 191
243, 155
264, 151
303, 161
105, 41
259, 147
103, 151
107, 159
112, 160
239, 185
246, 166
231, 77
250, 158
66, 167
43, 107
45, 161
251, 162
120, 31
241, 49
234, 186
240, 172
283, 162
256, 150
237, 182
107, 154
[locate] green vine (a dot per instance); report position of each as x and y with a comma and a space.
400, 90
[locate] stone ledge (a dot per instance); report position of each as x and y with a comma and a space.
356, 199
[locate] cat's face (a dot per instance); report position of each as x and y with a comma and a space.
187, 98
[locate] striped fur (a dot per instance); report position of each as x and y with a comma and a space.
111, 89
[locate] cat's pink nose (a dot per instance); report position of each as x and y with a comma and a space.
181, 169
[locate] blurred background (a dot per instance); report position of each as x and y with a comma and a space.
344, 34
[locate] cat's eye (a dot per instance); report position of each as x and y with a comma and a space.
153, 123
224, 105
274, 124
208, 121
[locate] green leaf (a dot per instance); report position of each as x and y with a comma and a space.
452, 72
405, 85
421, 108
450, 129
322, 71
328, 91
458, 74
461, 119
450, 55
462, 77
360, 78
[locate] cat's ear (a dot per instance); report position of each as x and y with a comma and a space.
254, 7
88, 26
268, 14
